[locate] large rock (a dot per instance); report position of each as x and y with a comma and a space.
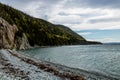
22, 42
8, 37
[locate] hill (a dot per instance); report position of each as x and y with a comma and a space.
112, 43
38, 31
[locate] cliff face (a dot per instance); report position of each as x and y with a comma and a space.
8, 37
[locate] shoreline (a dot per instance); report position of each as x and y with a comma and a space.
75, 71
48, 67
58, 70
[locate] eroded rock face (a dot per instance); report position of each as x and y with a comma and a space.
22, 42
7, 37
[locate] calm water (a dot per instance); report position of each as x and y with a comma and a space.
97, 58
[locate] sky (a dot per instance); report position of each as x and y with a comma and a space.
96, 20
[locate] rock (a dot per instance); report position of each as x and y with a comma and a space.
8, 37
22, 42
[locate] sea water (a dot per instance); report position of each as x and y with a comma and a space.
104, 59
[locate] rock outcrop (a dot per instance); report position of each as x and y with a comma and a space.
8, 37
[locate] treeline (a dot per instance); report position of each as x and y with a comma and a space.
38, 31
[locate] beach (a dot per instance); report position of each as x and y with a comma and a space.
15, 66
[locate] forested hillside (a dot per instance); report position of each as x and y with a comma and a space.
38, 31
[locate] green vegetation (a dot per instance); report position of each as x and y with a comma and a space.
38, 31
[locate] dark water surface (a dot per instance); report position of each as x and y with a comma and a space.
104, 59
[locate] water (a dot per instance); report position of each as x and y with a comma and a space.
18, 65
104, 59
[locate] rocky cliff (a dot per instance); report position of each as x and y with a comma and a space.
9, 38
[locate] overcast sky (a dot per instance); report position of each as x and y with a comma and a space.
86, 17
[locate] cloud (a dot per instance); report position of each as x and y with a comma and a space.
105, 20
94, 3
41, 8
36, 8
69, 19
101, 35
96, 26
84, 13
84, 33
106, 40
76, 14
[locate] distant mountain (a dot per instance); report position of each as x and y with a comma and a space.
38, 31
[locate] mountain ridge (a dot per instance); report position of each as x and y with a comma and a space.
38, 31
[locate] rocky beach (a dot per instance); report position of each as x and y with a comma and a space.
15, 66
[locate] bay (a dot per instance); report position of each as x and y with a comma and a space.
104, 59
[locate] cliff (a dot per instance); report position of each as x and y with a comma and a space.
8, 37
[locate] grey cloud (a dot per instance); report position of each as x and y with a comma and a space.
104, 20
84, 15
75, 3
22, 3
88, 15
28, 1
42, 8
67, 22
93, 3
63, 14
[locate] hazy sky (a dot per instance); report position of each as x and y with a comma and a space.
94, 19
